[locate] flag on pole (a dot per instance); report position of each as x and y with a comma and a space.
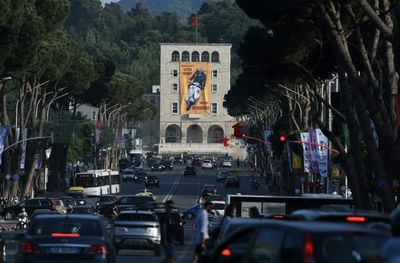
193, 21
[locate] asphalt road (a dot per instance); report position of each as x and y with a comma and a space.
183, 190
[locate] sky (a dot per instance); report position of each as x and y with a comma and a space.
108, 1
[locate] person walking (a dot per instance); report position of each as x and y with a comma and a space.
167, 232
238, 163
201, 233
254, 213
230, 212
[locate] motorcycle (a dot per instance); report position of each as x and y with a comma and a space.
22, 223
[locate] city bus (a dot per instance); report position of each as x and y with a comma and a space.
135, 156
98, 182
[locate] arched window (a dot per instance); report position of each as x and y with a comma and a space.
185, 56
215, 56
175, 56
195, 56
205, 57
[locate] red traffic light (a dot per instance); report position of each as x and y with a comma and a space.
282, 138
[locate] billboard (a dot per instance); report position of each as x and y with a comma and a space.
195, 87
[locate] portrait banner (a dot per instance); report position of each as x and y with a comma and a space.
322, 153
305, 137
314, 151
195, 87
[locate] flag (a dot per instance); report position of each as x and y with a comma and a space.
305, 137
193, 21
322, 153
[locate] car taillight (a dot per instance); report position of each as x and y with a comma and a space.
29, 248
98, 250
278, 217
65, 235
53, 205
308, 249
226, 252
356, 219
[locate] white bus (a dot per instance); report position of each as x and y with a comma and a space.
98, 182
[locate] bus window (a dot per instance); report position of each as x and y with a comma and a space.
85, 180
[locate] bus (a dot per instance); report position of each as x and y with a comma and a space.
135, 156
284, 205
98, 182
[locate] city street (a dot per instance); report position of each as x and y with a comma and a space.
183, 190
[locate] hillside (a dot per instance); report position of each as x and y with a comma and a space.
183, 8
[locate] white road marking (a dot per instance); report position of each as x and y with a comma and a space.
172, 189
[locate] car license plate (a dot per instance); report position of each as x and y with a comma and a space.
64, 250
137, 230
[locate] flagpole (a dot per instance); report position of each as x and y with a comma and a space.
196, 32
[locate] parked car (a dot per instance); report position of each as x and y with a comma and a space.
222, 175
137, 230
152, 180
30, 205
128, 175
206, 164
178, 160
295, 241
178, 226
66, 238
190, 170
232, 181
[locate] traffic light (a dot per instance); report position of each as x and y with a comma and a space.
282, 138
236, 130
226, 141
277, 143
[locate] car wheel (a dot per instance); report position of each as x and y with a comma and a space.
9, 216
157, 251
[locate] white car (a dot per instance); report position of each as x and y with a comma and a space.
207, 164
219, 207
226, 163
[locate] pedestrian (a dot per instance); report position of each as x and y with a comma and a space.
167, 232
238, 163
390, 251
254, 213
201, 233
229, 213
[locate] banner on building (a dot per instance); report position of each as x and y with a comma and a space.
322, 154
23, 148
3, 138
305, 137
195, 87
314, 151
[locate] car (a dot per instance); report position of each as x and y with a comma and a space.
297, 241
147, 193
78, 196
83, 209
41, 212
160, 206
103, 202
219, 207
68, 201
222, 175
133, 200
226, 163
137, 230
152, 180
196, 161
66, 238
157, 167
128, 175
206, 164
232, 181
208, 189
140, 175
167, 164
178, 160
178, 225
30, 205
190, 170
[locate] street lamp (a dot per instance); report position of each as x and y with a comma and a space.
6, 79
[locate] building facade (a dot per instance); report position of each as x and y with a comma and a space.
193, 81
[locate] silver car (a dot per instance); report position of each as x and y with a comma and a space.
137, 230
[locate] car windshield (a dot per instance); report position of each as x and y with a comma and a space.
341, 247
136, 217
106, 199
82, 210
55, 226
218, 206
77, 195
135, 200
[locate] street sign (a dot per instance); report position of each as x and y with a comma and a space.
381, 182
302, 179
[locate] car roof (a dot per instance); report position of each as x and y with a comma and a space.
73, 216
136, 212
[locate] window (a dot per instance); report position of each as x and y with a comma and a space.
185, 56
175, 73
175, 107
214, 108
175, 56
205, 57
215, 73
195, 56
214, 88
215, 56
174, 86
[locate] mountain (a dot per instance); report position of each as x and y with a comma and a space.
183, 8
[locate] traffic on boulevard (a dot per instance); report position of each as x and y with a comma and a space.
243, 224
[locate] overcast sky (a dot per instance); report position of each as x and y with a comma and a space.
108, 1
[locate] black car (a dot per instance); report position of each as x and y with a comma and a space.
178, 222
190, 170
30, 206
160, 206
232, 181
157, 167
152, 180
79, 197
66, 238
104, 201
83, 209
167, 164
140, 176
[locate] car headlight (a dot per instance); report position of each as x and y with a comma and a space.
81, 202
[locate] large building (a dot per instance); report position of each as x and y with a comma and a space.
193, 81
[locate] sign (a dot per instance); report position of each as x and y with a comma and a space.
322, 153
15, 177
305, 137
48, 152
23, 154
314, 152
381, 182
195, 87
3, 137
302, 179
